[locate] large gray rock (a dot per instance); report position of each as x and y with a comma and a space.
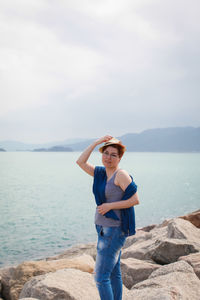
182, 239
139, 237
69, 284
142, 245
181, 229
135, 270
179, 267
152, 293
194, 261
14, 279
167, 251
164, 244
63, 284
176, 281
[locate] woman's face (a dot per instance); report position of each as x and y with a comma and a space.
110, 157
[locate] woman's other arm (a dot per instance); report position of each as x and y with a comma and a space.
123, 180
82, 161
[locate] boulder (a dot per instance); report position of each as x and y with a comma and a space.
30, 298
63, 284
77, 250
194, 261
171, 282
139, 250
167, 251
6, 275
164, 244
151, 294
19, 275
138, 237
181, 229
135, 270
141, 245
182, 239
180, 267
193, 217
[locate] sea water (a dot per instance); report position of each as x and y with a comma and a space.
47, 205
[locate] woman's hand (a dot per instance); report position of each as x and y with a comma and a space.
103, 139
104, 208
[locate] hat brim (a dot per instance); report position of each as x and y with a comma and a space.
110, 144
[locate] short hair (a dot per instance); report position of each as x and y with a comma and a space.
116, 146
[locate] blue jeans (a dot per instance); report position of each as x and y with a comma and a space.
107, 269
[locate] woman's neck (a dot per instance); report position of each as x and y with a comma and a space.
111, 171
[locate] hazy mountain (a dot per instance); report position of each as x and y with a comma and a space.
19, 146
54, 149
173, 139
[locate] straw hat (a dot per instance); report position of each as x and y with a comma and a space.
111, 142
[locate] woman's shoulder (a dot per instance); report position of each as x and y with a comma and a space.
123, 179
123, 174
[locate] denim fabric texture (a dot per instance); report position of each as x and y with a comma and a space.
107, 269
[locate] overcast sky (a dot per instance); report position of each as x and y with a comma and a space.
85, 68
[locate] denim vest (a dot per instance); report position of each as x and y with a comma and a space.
127, 214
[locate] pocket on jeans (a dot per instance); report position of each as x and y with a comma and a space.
106, 236
107, 232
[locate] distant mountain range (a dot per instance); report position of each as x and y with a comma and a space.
19, 146
172, 139
54, 149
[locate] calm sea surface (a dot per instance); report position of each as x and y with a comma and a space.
47, 205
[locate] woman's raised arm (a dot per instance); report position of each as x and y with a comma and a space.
82, 161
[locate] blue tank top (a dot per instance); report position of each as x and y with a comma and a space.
113, 193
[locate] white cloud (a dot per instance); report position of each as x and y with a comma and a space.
35, 63
82, 60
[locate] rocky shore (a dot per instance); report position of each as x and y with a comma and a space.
160, 262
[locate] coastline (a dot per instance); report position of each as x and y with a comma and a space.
156, 250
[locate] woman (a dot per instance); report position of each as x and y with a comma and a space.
115, 195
